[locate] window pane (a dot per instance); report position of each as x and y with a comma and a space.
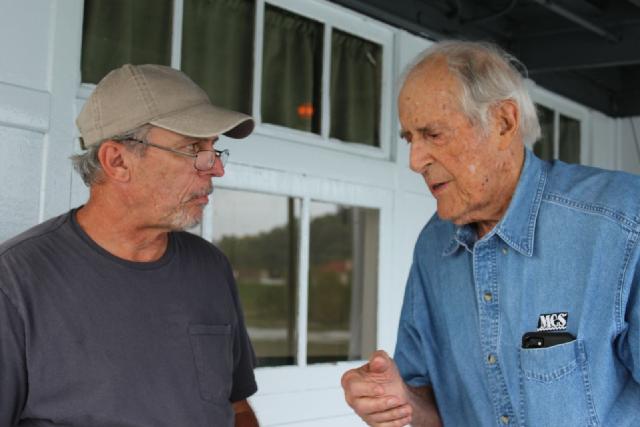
291, 70
356, 73
117, 32
569, 140
259, 234
217, 49
543, 148
343, 282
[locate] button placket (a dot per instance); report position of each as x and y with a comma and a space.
486, 256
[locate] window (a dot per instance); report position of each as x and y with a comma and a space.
330, 314
292, 70
117, 32
356, 76
292, 65
560, 136
217, 50
342, 282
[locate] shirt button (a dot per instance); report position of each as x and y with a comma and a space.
504, 251
504, 420
488, 296
491, 359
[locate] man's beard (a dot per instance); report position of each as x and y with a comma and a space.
182, 218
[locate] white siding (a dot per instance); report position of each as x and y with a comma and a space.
20, 165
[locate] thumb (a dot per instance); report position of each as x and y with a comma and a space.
379, 362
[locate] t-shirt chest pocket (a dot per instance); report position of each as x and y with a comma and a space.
212, 352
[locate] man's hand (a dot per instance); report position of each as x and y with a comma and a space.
245, 417
377, 393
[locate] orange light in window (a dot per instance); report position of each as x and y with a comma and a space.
305, 111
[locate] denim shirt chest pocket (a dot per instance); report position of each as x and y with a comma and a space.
212, 352
555, 388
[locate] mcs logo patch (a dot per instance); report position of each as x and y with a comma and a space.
553, 321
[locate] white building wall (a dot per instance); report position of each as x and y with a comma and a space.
40, 95
39, 74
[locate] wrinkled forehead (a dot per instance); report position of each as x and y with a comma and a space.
430, 86
431, 75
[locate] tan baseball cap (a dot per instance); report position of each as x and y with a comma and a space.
134, 95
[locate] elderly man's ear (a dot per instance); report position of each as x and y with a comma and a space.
114, 158
507, 121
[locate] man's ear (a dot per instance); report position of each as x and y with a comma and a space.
115, 161
507, 121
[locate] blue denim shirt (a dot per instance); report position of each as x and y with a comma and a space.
567, 246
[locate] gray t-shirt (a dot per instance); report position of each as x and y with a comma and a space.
89, 339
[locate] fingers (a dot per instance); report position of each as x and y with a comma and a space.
368, 406
398, 416
355, 385
376, 392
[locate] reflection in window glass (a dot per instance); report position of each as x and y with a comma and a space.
118, 32
569, 140
543, 148
291, 70
217, 50
259, 234
343, 278
356, 73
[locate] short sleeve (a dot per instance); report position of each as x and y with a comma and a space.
244, 360
409, 354
13, 377
629, 344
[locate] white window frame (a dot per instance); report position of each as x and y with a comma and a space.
563, 106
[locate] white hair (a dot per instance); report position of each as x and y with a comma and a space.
487, 75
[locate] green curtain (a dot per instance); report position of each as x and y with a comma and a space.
291, 70
117, 32
356, 75
217, 49
543, 148
569, 140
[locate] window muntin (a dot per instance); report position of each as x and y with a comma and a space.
117, 32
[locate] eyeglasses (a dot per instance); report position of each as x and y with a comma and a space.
205, 160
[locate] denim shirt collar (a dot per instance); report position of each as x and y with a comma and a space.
517, 226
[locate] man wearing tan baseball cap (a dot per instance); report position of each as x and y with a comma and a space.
112, 314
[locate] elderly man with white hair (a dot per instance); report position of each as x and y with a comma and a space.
522, 306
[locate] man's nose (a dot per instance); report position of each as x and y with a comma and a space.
217, 170
420, 156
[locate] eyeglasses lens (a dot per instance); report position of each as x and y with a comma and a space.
205, 159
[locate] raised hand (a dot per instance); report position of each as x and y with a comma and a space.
377, 393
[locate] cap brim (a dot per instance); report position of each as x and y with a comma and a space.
207, 121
